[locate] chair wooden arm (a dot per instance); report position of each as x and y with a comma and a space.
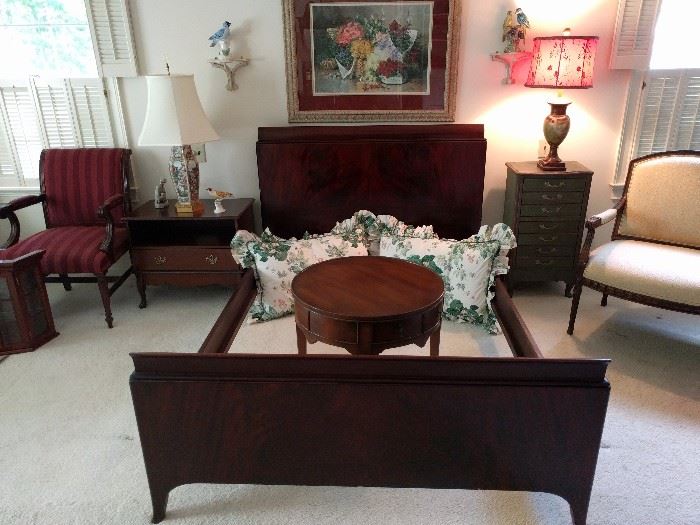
8, 212
105, 212
592, 223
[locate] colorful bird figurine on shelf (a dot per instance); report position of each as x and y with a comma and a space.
521, 17
218, 197
222, 34
507, 24
222, 37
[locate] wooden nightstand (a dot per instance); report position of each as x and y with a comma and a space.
546, 210
167, 248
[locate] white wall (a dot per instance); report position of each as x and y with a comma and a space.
512, 115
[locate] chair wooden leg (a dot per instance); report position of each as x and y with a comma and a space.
106, 300
66, 282
574, 308
604, 300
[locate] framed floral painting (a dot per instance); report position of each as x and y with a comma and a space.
366, 60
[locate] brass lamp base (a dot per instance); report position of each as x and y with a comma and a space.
556, 127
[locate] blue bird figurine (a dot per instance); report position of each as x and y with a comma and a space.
222, 35
521, 17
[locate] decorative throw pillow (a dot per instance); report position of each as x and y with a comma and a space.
276, 261
467, 267
368, 228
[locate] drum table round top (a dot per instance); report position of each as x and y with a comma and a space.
368, 304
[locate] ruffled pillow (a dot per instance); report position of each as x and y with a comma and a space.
276, 261
467, 267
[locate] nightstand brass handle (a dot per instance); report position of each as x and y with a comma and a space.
546, 252
551, 238
551, 210
544, 263
211, 259
548, 184
159, 259
552, 227
548, 197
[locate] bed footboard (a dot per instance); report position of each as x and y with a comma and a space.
521, 424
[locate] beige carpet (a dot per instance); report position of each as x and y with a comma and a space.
70, 454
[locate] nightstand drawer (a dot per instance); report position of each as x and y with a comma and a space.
550, 210
548, 227
544, 239
547, 251
552, 197
545, 262
554, 184
183, 258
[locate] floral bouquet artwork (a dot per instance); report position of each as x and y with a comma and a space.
371, 48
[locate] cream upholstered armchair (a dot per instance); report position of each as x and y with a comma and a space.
654, 254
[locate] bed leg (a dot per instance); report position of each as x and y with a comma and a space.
159, 498
574, 308
604, 300
579, 510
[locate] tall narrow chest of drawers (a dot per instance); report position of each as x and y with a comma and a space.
546, 210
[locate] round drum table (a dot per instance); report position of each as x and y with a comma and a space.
368, 304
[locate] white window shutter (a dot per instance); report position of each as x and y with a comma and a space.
20, 139
634, 34
55, 113
669, 115
112, 37
91, 113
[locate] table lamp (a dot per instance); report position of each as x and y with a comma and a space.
560, 62
175, 118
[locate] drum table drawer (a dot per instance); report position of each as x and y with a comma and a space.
184, 258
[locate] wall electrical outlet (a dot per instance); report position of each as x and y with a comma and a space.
543, 149
200, 152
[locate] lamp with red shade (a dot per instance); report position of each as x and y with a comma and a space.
560, 62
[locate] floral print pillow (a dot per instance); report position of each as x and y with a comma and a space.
276, 261
468, 268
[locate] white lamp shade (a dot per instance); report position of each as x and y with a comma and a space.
174, 114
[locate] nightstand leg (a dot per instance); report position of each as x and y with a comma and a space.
435, 344
141, 285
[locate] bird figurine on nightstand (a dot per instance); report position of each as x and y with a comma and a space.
222, 37
218, 197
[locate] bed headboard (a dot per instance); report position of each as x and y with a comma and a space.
313, 176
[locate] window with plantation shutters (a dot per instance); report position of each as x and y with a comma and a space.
112, 38
663, 103
670, 112
634, 34
58, 113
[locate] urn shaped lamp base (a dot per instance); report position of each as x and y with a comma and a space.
184, 172
556, 127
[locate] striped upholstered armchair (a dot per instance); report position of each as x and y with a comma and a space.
84, 193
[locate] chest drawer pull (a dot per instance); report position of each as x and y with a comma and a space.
551, 227
548, 184
551, 238
550, 210
211, 259
159, 259
545, 251
544, 263
550, 197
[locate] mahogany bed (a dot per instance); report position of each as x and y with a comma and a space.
522, 423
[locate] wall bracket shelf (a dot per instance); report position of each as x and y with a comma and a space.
230, 66
510, 60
